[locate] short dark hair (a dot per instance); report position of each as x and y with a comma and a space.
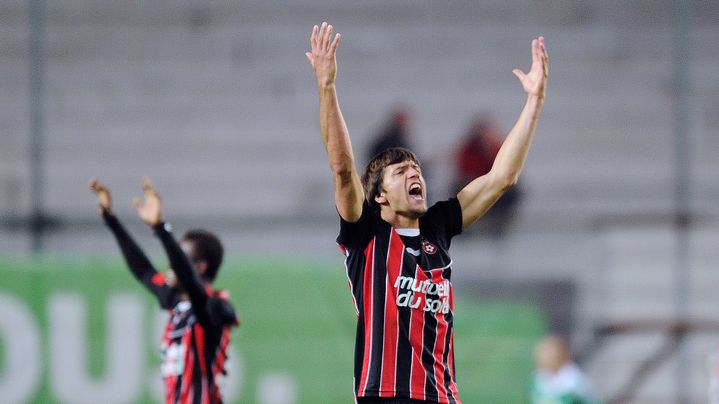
372, 176
208, 248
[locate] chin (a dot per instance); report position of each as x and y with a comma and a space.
419, 211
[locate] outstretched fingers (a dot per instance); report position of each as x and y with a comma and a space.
543, 48
534, 80
95, 186
314, 43
321, 37
103, 195
313, 36
328, 38
539, 52
545, 56
322, 54
147, 186
148, 191
321, 40
539, 55
536, 59
536, 51
335, 43
149, 208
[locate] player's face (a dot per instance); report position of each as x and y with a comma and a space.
188, 246
403, 189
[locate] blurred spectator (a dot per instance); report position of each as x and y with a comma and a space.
394, 134
557, 379
474, 158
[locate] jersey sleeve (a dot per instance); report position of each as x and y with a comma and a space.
139, 264
443, 220
356, 235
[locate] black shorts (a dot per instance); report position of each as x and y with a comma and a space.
391, 400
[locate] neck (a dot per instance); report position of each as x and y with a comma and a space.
398, 220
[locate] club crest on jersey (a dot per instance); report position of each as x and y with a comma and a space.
429, 247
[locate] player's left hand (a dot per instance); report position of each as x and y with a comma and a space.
535, 81
149, 210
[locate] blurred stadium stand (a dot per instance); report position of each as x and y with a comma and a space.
215, 101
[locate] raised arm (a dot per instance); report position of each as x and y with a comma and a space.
136, 260
150, 211
480, 194
348, 188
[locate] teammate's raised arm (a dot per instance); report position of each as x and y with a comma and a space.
136, 260
349, 195
150, 211
480, 194
199, 318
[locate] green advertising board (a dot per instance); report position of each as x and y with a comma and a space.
83, 330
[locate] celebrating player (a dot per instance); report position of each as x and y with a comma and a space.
396, 248
195, 340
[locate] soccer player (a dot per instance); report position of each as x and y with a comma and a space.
396, 248
194, 343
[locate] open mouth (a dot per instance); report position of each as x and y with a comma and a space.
415, 190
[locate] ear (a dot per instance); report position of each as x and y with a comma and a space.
381, 198
201, 267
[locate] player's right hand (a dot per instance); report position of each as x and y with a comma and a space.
322, 57
104, 201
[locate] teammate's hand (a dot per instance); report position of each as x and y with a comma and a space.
104, 201
322, 57
535, 81
149, 210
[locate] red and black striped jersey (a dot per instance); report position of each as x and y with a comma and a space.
194, 355
400, 282
194, 343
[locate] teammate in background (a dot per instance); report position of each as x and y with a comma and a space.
194, 343
557, 379
396, 248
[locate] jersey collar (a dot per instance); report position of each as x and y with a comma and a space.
410, 232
